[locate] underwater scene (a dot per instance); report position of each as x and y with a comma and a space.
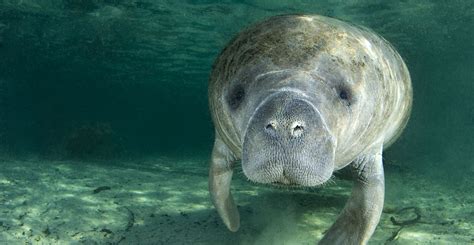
132, 121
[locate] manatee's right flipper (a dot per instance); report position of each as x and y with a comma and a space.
220, 176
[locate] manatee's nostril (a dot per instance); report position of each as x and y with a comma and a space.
271, 126
271, 129
297, 129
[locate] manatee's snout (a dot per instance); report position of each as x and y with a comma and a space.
288, 125
288, 142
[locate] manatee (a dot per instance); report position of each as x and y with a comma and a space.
296, 98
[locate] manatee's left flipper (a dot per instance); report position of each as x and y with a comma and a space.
220, 176
361, 214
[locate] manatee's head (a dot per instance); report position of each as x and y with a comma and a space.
284, 133
291, 89
288, 142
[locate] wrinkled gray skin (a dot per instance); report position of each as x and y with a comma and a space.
298, 97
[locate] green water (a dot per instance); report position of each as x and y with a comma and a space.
107, 79
142, 67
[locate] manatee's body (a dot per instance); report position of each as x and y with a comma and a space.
298, 97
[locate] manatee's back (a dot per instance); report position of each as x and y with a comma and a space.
296, 41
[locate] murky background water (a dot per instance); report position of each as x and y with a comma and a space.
105, 79
141, 68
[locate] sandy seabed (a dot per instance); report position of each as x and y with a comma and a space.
165, 201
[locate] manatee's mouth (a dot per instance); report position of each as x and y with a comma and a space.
309, 173
287, 143
284, 182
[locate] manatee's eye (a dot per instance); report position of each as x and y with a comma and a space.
235, 97
345, 94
